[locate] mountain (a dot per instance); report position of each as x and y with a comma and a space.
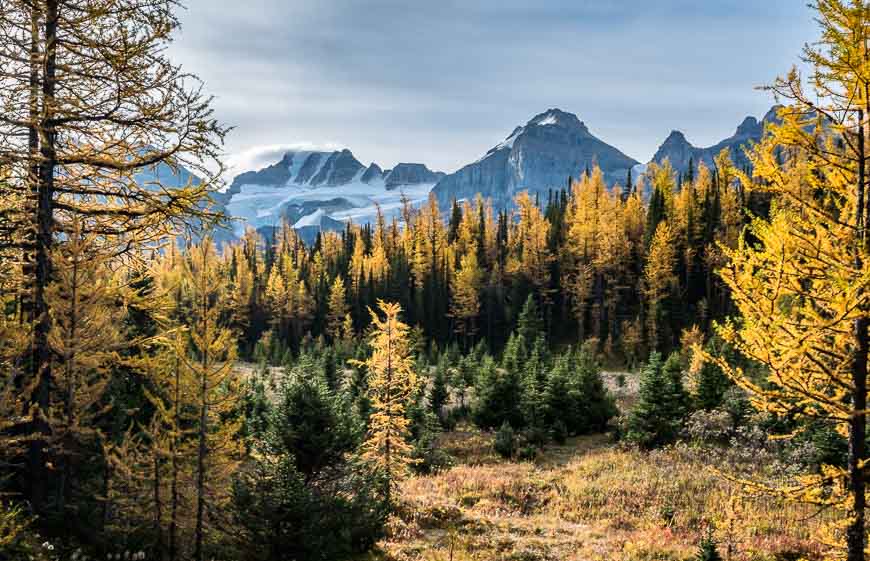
314, 190
537, 156
679, 150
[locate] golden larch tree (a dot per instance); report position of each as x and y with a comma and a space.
465, 297
801, 286
97, 123
659, 281
528, 243
337, 309
86, 333
392, 380
209, 352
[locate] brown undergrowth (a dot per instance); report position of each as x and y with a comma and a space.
588, 500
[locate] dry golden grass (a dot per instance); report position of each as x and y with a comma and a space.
589, 500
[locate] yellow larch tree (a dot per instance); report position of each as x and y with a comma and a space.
14, 335
529, 250
596, 252
468, 229
465, 301
801, 286
170, 442
659, 281
337, 309
357, 263
377, 264
392, 380
97, 125
86, 333
209, 352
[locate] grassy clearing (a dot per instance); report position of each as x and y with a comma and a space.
587, 500
591, 500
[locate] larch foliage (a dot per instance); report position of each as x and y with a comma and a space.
530, 255
337, 309
208, 352
392, 381
96, 124
376, 263
86, 333
465, 302
802, 285
659, 280
357, 264
169, 440
14, 336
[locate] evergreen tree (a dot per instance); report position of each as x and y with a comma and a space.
596, 406
712, 381
534, 381
515, 354
309, 423
304, 497
657, 417
439, 393
499, 396
530, 324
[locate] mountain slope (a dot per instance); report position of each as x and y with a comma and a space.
328, 187
537, 156
679, 150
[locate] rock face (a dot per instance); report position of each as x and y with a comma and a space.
410, 174
537, 156
321, 190
372, 173
680, 151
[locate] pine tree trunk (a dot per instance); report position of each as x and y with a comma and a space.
40, 362
857, 447
855, 538
28, 268
158, 508
200, 474
173, 521
203, 420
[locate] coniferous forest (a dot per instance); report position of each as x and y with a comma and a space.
670, 366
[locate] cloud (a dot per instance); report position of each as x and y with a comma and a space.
441, 82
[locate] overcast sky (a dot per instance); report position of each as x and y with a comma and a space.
442, 81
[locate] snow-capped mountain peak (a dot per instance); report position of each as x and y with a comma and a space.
317, 189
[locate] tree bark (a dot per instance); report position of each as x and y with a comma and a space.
176, 423
855, 538
41, 354
158, 507
203, 419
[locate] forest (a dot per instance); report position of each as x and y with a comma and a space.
671, 367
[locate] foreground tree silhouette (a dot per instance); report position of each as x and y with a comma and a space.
95, 122
392, 381
801, 286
